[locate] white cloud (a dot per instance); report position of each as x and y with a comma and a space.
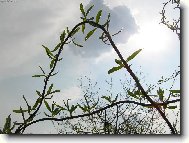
74, 93
121, 18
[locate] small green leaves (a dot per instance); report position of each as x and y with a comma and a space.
55, 91
47, 105
50, 88
114, 69
48, 52
82, 10
36, 103
172, 107
73, 108
133, 55
55, 112
60, 107
62, 36
38, 93
59, 44
84, 108
20, 111
108, 98
52, 63
7, 126
133, 95
119, 62
83, 28
89, 34
160, 93
98, 16
175, 91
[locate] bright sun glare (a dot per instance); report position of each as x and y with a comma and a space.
153, 38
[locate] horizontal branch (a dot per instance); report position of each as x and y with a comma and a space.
100, 110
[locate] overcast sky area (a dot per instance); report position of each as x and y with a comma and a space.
25, 25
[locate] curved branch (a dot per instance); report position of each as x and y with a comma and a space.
100, 110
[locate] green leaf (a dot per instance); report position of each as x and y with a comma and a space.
55, 91
107, 98
55, 112
62, 36
133, 55
73, 108
48, 52
57, 46
38, 93
160, 93
82, 10
89, 34
83, 28
47, 105
60, 107
119, 62
38, 75
85, 108
20, 111
7, 125
36, 103
174, 91
98, 16
172, 107
52, 63
131, 94
50, 88
138, 92
89, 10
114, 69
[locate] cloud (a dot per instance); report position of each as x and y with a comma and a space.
74, 93
25, 26
121, 18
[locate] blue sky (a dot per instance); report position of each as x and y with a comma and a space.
26, 25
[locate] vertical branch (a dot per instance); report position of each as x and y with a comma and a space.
116, 130
105, 123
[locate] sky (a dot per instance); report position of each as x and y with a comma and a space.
26, 25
